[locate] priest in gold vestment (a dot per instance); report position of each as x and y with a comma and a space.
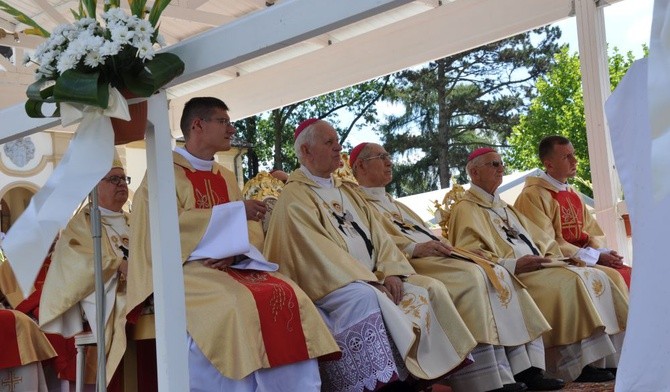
23, 346
68, 294
510, 341
248, 327
586, 311
325, 237
556, 208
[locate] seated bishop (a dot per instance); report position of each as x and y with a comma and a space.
23, 347
510, 352
586, 310
389, 322
67, 304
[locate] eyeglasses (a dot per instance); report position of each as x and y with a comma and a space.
495, 164
223, 121
117, 180
383, 157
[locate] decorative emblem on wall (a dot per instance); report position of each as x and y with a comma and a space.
20, 151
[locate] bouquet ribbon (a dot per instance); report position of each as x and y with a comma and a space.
88, 158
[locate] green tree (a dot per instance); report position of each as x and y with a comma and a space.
271, 133
558, 109
459, 102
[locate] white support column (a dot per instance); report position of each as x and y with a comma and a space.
595, 82
168, 278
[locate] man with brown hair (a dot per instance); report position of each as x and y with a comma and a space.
249, 328
553, 205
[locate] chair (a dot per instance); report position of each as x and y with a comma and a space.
263, 187
345, 173
81, 341
443, 210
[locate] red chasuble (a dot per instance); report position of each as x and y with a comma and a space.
282, 345
572, 218
572, 224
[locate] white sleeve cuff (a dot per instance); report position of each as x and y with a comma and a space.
509, 264
409, 250
588, 255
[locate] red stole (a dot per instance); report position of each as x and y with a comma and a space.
276, 302
9, 355
572, 217
572, 224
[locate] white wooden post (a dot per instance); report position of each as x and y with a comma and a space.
168, 278
595, 81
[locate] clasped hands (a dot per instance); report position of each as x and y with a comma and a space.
220, 264
392, 287
255, 210
611, 259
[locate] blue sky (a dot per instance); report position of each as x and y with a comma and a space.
627, 27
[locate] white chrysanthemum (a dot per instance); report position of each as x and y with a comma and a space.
86, 24
61, 29
110, 48
146, 51
49, 57
93, 59
144, 27
66, 61
122, 35
115, 15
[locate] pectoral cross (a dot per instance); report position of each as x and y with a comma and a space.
11, 381
511, 232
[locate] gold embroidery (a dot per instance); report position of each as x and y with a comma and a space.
415, 305
570, 219
598, 287
504, 295
11, 381
208, 198
258, 282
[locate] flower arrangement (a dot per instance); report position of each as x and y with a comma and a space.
79, 62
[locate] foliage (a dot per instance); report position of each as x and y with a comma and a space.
457, 103
559, 110
79, 61
348, 110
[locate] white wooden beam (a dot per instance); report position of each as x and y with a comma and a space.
168, 277
51, 11
192, 15
430, 35
595, 82
195, 4
263, 32
254, 35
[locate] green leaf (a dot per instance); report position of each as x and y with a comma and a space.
157, 10
34, 109
37, 90
85, 88
137, 7
90, 6
25, 19
156, 73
